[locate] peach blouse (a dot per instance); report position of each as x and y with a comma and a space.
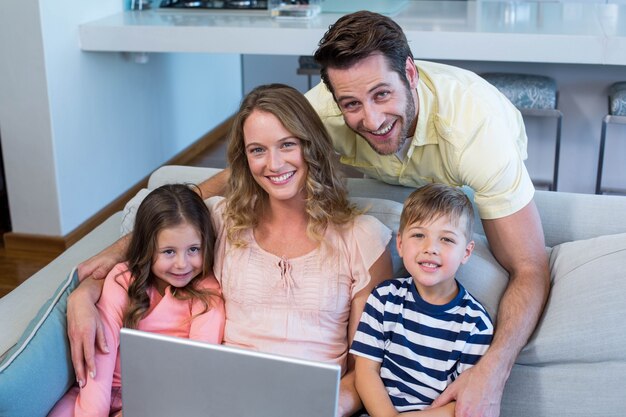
296, 307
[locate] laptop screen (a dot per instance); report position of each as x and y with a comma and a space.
165, 376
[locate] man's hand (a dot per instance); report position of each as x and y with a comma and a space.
83, 328
477, 392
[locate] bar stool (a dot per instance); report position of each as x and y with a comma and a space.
309, 67
617, 114
535, 96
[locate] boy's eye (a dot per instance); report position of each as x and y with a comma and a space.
447, 240
417, 235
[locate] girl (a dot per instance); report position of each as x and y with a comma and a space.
165, 287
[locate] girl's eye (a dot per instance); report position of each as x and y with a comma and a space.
168, 252
194, 249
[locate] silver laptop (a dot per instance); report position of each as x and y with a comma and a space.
166, 376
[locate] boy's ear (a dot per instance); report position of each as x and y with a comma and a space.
399, 243
468, 251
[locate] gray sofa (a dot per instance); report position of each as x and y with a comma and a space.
573, 365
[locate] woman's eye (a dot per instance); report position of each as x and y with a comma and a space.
255, 150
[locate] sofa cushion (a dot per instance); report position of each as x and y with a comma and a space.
584, 317
483, 276
37, 371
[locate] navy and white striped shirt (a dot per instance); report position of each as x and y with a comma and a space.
422, 347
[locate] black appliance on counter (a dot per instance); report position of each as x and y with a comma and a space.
215, 4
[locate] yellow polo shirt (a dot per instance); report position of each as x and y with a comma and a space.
467, 134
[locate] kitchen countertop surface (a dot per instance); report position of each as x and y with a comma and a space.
522, 31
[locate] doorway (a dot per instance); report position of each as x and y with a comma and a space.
5, 216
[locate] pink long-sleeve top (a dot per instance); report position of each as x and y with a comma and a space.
167, 316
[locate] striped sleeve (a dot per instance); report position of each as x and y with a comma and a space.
369, 339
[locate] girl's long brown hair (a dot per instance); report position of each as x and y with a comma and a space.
165, 207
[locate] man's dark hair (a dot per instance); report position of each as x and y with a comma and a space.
358, 35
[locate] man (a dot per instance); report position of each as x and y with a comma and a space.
415, 123
412, 123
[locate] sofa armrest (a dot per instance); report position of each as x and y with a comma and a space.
18, 307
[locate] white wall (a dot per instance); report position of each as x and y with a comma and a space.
78, 129
582, 99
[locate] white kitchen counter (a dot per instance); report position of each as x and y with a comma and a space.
520, 31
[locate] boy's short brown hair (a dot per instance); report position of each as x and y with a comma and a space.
430, 202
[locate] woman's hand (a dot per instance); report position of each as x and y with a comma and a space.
98, 266
84, 328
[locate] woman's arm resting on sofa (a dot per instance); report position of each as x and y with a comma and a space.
99, 265
84, 327
216, 185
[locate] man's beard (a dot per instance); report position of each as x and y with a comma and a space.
410, 115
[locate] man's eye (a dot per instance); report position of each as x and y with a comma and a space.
382, 94
350, 105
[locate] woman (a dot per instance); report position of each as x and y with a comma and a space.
296, 261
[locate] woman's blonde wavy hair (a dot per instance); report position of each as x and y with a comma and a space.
326, 193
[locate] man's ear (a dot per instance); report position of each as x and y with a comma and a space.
411, 72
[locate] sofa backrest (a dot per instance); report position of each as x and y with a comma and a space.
566, 217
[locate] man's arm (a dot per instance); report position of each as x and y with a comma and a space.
517, 242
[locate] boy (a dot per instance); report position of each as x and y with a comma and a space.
417, 334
